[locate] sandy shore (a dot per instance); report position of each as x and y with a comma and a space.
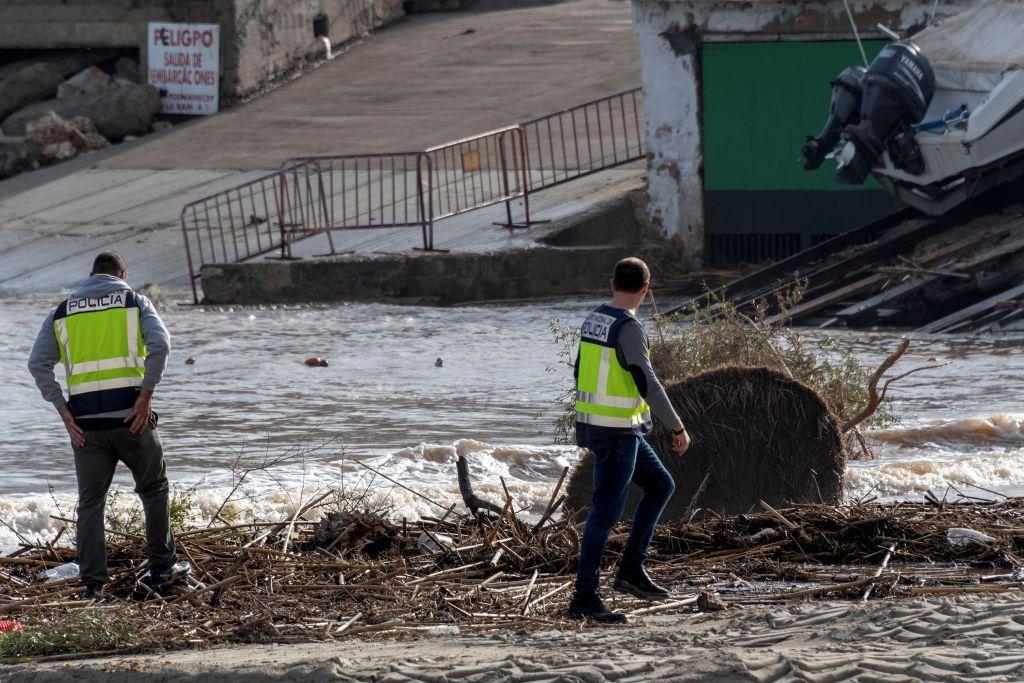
968, 637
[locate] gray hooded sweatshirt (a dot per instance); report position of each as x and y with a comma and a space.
46, 351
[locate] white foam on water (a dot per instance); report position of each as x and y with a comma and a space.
996, 470
926, 455
979, 451
993, 429
427, 473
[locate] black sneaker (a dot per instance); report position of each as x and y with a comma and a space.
586, 605
632, 578
93, 591
162, 578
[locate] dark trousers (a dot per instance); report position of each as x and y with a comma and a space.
619, 460
94, 465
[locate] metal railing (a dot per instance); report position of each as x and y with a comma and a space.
359, 192
591, 137
236, 224
322, 194
477, 171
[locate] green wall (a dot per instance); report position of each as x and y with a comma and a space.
760, 100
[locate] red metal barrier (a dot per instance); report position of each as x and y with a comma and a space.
476, 172
314, 195
237, 224
585, 139
359, 192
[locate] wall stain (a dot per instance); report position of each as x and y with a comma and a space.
684, 42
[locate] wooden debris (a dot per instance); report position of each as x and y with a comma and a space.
501, 573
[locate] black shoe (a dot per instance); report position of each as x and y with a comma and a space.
93, 591
162, 578
633, 579
585, 605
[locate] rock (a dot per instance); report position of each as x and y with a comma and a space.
14, 156
92, 137
66, 62
86, 82
120, 110
51, 138
426, 543
127, 69
711, 602
26, 86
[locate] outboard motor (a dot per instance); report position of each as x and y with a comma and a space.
843, 110
898, 87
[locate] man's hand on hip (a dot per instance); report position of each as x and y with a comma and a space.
141, 412
74, 431
680, 440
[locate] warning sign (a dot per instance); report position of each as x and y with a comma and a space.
184, 65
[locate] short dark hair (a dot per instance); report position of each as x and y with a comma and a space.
109, 263
630, 275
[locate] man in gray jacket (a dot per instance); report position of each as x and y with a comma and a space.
114, 347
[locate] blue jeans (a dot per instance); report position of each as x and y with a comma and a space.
618, 460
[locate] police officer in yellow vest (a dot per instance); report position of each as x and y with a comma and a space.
616, 391
114, 347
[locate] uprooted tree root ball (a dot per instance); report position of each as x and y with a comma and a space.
757, 435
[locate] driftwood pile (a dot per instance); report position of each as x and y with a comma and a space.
357, 574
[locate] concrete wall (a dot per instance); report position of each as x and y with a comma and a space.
432, 279
671, 33
271, 36
260, 39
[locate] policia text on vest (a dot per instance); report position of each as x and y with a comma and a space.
114, 348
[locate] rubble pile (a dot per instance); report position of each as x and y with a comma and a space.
62, 105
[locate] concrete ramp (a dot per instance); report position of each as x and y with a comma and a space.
52, 231
430, 79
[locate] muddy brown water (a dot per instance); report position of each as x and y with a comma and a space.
384, 399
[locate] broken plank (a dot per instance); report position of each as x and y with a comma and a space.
825, 300
963, 314
786, 267
886, 296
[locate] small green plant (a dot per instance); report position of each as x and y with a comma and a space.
702, 338
124, 516
127, 517
82, 630
567, 338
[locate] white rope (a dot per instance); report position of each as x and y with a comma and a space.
935, 10
856, 33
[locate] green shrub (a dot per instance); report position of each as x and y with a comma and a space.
81, 630
126, 516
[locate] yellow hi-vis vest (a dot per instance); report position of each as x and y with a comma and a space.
606, 393
102, 350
